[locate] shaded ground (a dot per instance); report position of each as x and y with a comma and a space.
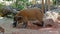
7, 25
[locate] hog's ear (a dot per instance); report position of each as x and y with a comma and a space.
19, 17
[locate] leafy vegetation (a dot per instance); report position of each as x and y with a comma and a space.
1, 5
21, 4
54, 2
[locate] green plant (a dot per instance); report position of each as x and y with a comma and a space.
1, 5
13, 5
20, 4
54, 2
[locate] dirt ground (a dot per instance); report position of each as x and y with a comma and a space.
6, 23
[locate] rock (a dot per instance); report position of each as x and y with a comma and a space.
50, 23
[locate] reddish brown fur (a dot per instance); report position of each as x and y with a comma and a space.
30, 14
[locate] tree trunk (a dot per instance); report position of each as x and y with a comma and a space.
48, 3
43, 6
